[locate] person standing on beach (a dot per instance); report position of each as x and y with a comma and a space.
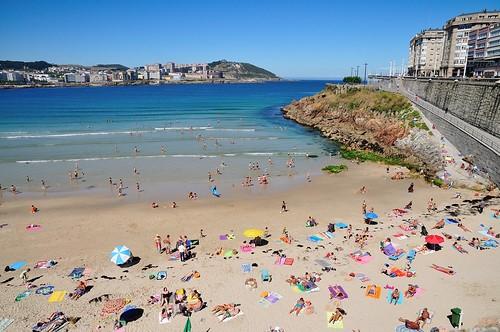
410, 188
182, 251
363, 207
24, 276
138, 186
283, 207
158, 243
168, 245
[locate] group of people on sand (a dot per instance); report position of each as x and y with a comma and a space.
226, 311
423, 317
183, 245
192, 195
307, 282
300, 305
181, 302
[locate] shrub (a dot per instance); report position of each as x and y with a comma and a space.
335, 169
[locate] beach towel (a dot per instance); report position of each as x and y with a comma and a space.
280, 260
17, 265
314, 238
489, 244
113, 306
322, 263
229, 253
161, 275
215, 192
246, 268
328, 235
175, 256
397, 255
223, 237
57, 296
389, 294
485, 233
362, 277
264, 275
389, 250
450, 221
163, 320
22, 296
45, 290
411, 255
400, 236
4, 323
273, 297
334, 290
288, 261
364, 259
300, 289
221, 317
247, 248
341, 225
33, 228
403, 328
338, 324
77, 273
492, 216
373, 291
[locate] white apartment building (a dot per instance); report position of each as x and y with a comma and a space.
457, 30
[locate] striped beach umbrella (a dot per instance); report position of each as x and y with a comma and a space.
120, 255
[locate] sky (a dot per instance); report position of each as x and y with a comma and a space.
292, 38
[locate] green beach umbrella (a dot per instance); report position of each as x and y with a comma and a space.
187, 327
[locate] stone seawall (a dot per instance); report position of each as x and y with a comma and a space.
477, 103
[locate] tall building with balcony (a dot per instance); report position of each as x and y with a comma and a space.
483, 57
456, 42
425, 53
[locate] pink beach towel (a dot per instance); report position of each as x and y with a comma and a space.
33, 228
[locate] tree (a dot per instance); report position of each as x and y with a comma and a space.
352, 80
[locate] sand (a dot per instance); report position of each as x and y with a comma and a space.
82, 231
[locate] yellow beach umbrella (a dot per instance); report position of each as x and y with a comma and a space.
253, 233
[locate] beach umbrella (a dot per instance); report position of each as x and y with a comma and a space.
187, 327
120, 255
434, 239
371, 215
253, 233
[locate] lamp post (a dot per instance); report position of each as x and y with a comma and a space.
357, 71
365, 74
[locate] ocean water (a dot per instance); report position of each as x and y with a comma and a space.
166, 130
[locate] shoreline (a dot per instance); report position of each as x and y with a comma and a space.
140, 83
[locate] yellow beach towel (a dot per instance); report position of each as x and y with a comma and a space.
57, 296
338, 324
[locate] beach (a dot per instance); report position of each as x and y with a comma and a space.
82, 230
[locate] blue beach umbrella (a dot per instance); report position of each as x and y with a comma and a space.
120, 255
371, 215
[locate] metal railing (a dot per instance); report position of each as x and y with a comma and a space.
488, 140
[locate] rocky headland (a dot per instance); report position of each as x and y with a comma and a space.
366, 119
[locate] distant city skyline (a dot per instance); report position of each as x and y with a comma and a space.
296, 39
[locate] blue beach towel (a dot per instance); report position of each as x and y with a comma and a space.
341, 225
314, 238
246, 268
215, 192
389, 294
396, 257
17, 265
77, 273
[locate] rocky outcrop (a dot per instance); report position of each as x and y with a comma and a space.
368, 119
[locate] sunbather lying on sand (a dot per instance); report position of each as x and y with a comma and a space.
337, 315
465, 229
439, 224
424, 316
443, 269
298, 306
79, 290
411, 291
460, 248
409, 324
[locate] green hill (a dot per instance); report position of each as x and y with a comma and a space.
241, 70
22, 65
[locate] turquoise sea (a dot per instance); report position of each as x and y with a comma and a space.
45, 133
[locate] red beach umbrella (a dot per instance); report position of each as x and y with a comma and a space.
434, 239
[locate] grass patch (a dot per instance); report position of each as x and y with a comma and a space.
362, 155
438, 182
335, 169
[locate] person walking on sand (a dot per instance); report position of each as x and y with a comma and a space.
363, 207
410, 188
283, 207
158, 243
138, 186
